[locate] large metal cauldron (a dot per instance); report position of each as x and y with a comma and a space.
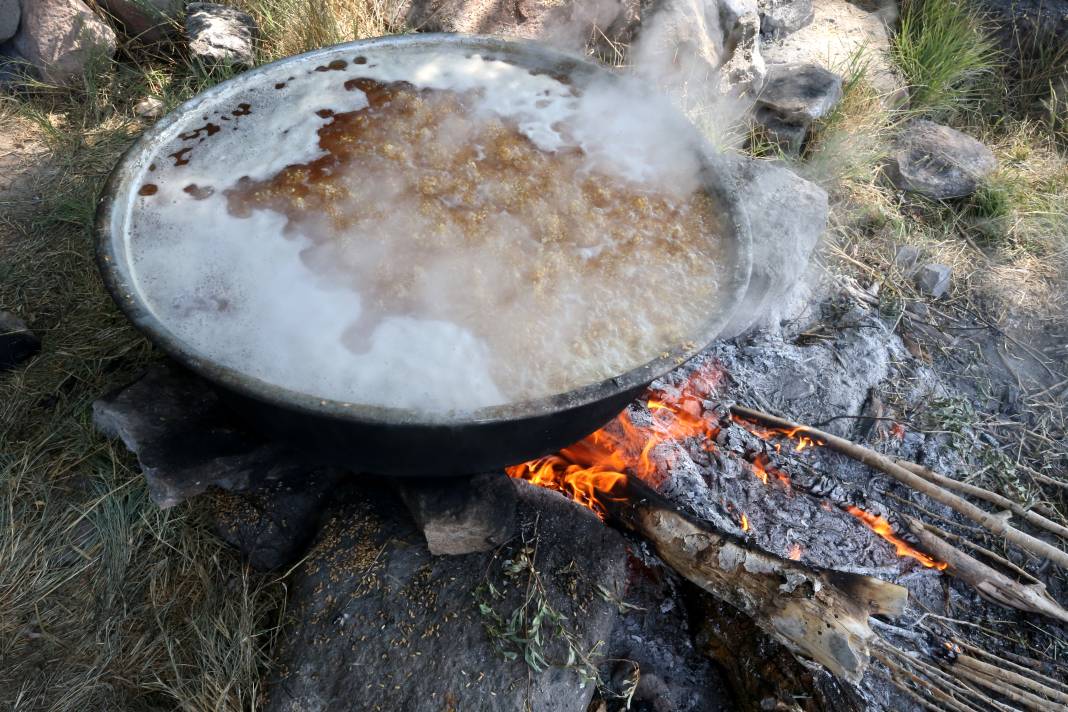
394, 441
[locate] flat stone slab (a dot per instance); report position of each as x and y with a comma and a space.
379, 623
461, 515
794, 96
186, 439
938, 162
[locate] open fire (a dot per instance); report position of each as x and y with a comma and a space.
595, 470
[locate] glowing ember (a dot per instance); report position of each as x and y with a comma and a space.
592, 468
795, 553
762, 469
745, 522
880, 526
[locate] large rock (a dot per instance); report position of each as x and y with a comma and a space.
838, 33
145, 20
794, 96
17, 342
220, 35
787, 214
186, 440
938, 162
10, 14
722, 35
381, 624
779, 18
60, 37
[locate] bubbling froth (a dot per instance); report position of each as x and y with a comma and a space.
435, 234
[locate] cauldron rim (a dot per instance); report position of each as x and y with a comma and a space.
111, 253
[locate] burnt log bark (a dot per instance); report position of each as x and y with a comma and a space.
816, 613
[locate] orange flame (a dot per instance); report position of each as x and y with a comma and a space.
801, 442
880, 526
745, 522
593, 469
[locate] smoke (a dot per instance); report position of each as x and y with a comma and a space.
701, 54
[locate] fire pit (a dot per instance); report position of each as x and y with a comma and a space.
246, 139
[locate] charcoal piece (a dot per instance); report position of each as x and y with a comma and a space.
272, 525
186, 439
461, 515
382, 624
17, 342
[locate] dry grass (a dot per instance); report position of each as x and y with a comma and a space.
293, 26
107, 602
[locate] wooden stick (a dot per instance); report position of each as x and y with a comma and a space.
999, 687
1040, 677
979, 493
817, 613
990, 583
996, 524
1012, 678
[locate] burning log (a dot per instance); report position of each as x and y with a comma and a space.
995, 523
817, 613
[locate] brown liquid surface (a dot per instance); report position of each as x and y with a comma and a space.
569, 276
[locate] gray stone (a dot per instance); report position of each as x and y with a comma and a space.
382, 624
149, 108
218, 34
462, 515
839, 33
938, 162
787, 215
17, 342
186, 440
60, 37
779, 18
10, 13
794, 96
145, 20
906, 258
273, 524
933, 280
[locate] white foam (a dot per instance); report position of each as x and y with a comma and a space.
237, 290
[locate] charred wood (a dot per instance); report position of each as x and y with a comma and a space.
817, 613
